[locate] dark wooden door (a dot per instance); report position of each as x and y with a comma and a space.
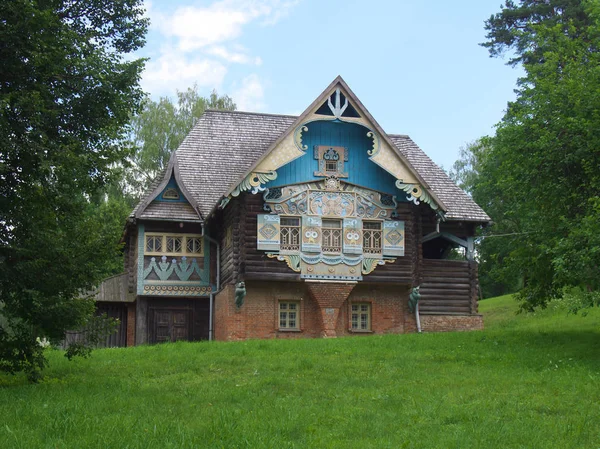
170, 325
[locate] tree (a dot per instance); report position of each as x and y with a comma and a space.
515, 27
159, 129
474, 174
66, 93
542, 164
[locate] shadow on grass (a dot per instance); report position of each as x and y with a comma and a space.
582, 346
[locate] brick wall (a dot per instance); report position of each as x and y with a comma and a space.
258, 317
388, 314
450, 323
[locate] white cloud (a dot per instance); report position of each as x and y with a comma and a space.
199, 43
250, 95
172, 70
239, 57
222, 21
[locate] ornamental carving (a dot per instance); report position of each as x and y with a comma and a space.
320, 199
332, 204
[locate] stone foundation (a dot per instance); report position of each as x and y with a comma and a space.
451, 323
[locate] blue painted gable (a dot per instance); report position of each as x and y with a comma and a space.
361, 171
172, 185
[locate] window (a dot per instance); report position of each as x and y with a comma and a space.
332, 236
360, 317
331, 161
331, 166
289, 315
290, 233
153, 244
173, 245
194, 245
171, 194
372, 236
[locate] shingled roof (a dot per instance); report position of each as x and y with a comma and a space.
459, 205
223, 146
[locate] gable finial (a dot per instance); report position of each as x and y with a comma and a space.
337, 110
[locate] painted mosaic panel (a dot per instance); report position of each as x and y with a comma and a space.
352, 243
311, 234
268, 232
393, 238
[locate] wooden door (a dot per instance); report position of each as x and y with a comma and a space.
170, 325
162, 324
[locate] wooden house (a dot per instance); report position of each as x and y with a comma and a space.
276, 226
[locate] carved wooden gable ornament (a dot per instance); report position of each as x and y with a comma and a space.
337, 104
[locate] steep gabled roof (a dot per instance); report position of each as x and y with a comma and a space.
225, 146
149, 209
337, 86
459, 205
221, 148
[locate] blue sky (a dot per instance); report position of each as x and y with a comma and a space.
416, 66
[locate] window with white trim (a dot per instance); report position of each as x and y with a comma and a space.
372, 237
360, 316
289, 315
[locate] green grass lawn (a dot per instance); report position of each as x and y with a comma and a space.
527, 381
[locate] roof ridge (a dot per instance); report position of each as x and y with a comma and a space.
250, 113
399, 135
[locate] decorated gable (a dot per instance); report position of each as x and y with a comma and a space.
336, 138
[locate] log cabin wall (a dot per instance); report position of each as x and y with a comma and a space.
226, 226
402, 270
448, 287
131, 258
257, 265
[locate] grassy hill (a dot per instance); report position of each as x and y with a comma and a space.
527, 381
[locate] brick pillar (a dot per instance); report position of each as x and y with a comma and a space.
329, 296
131, 324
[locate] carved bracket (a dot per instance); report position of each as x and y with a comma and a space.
416, 194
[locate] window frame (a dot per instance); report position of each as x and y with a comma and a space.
298, 310
184, 241
366, 232
171, 193
281, 233
338, 249
368, 312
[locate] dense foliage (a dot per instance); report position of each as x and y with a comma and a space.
538, 176
66, 93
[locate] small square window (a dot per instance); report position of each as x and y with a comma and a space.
153, 244
194, 245
174, 244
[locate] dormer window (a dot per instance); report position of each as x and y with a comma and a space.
170, 194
